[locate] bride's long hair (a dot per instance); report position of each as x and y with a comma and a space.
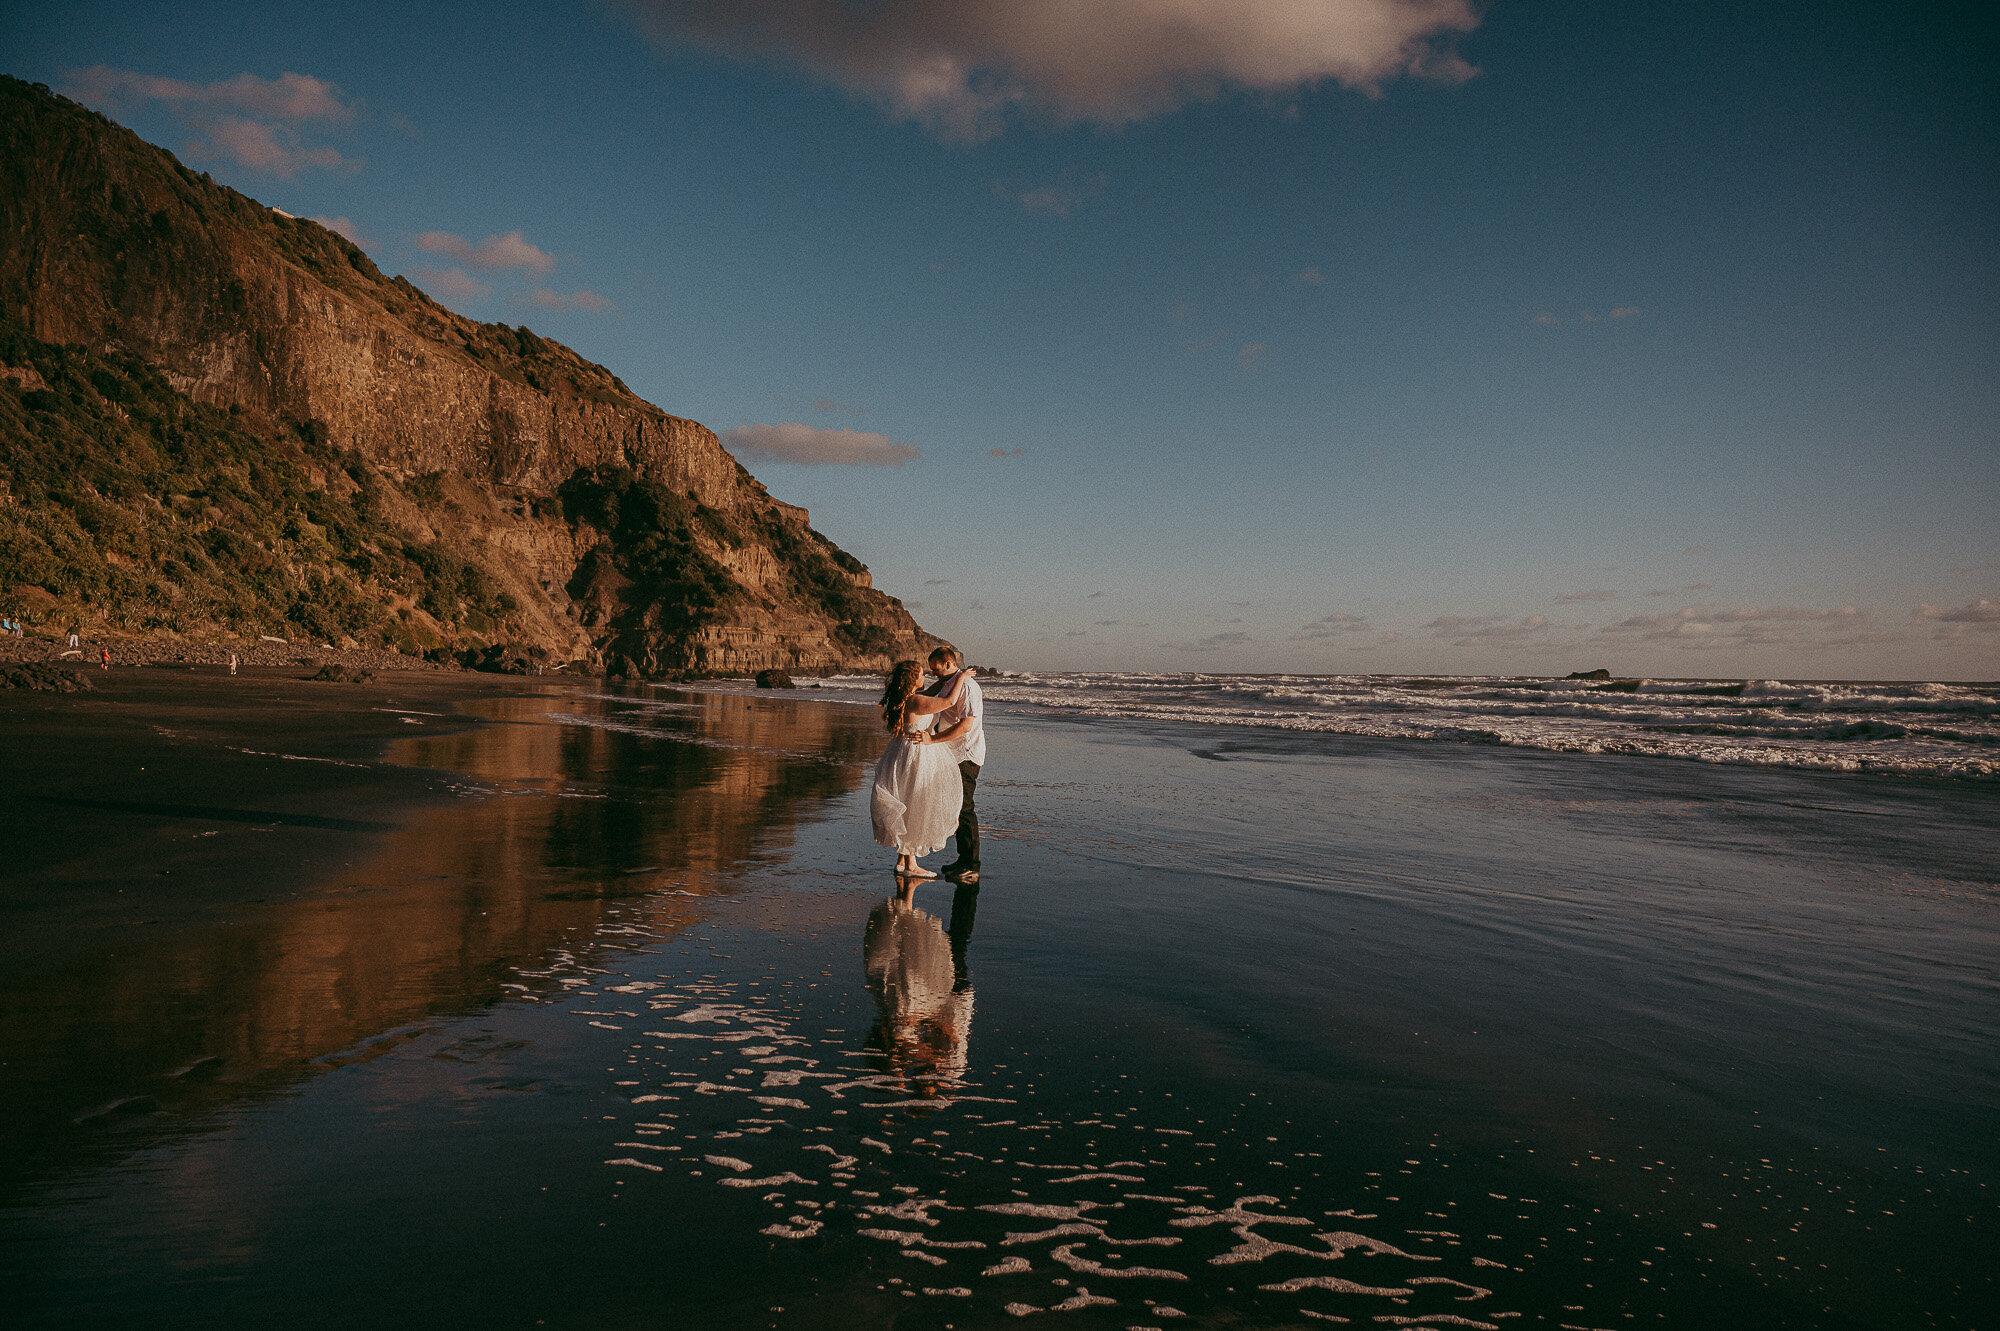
897, 690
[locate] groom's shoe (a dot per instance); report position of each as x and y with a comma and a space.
960, 873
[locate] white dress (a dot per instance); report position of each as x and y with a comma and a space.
917, 793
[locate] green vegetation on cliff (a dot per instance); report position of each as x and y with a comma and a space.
128, 503
652, 545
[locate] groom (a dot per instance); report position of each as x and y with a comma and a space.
959, 727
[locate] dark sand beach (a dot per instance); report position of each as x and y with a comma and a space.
479, 1002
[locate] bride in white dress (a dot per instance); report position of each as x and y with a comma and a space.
917, 787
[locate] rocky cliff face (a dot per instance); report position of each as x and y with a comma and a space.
599, 527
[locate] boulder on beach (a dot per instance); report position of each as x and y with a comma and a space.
774, 679
334, 673
37, 677
502, 658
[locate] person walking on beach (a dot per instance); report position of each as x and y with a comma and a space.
104, 658
914, 805
75, 631
232, 663
961, 726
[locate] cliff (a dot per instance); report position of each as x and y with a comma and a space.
217, 417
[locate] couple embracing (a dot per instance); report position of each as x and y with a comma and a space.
925, 781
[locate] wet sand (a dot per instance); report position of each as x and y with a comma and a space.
603, 1011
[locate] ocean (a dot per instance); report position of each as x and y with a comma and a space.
1916, 729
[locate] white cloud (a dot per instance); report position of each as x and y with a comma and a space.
1980, 616
960, 70
1600, 594
291, 98
1462, 631
451, 285
249, 120
1591, 316
809, 446
263, 147
511, 250
1252, 353
1213, 642
1057, 198
340, 226
1330, 626
1742, 626
581, 299
1982, 611
1311, 277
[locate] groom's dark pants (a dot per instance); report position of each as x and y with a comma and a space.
968, 819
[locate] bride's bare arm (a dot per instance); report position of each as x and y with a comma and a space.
924, 706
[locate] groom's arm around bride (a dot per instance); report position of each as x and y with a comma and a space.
962, 729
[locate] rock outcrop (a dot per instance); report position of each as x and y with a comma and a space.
600, 528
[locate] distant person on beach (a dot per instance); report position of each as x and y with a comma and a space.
915, 802
75, 632
104, 657
232, 663
962, 728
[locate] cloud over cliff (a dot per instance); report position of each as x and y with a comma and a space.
511, 250
960, 70
252, 121
809, 446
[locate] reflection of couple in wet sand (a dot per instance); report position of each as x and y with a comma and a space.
922, 988
919, 799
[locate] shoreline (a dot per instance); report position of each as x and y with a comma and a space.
131, 653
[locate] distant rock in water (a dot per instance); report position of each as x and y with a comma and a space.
340, 674
774, 679
39, 678
503, 658
1589, 674
225, 421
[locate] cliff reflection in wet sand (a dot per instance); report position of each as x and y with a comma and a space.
570, 802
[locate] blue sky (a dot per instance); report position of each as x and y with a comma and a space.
1294, 335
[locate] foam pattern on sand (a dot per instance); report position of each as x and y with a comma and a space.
866, 1161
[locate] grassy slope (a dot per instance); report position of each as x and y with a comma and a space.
138, 508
